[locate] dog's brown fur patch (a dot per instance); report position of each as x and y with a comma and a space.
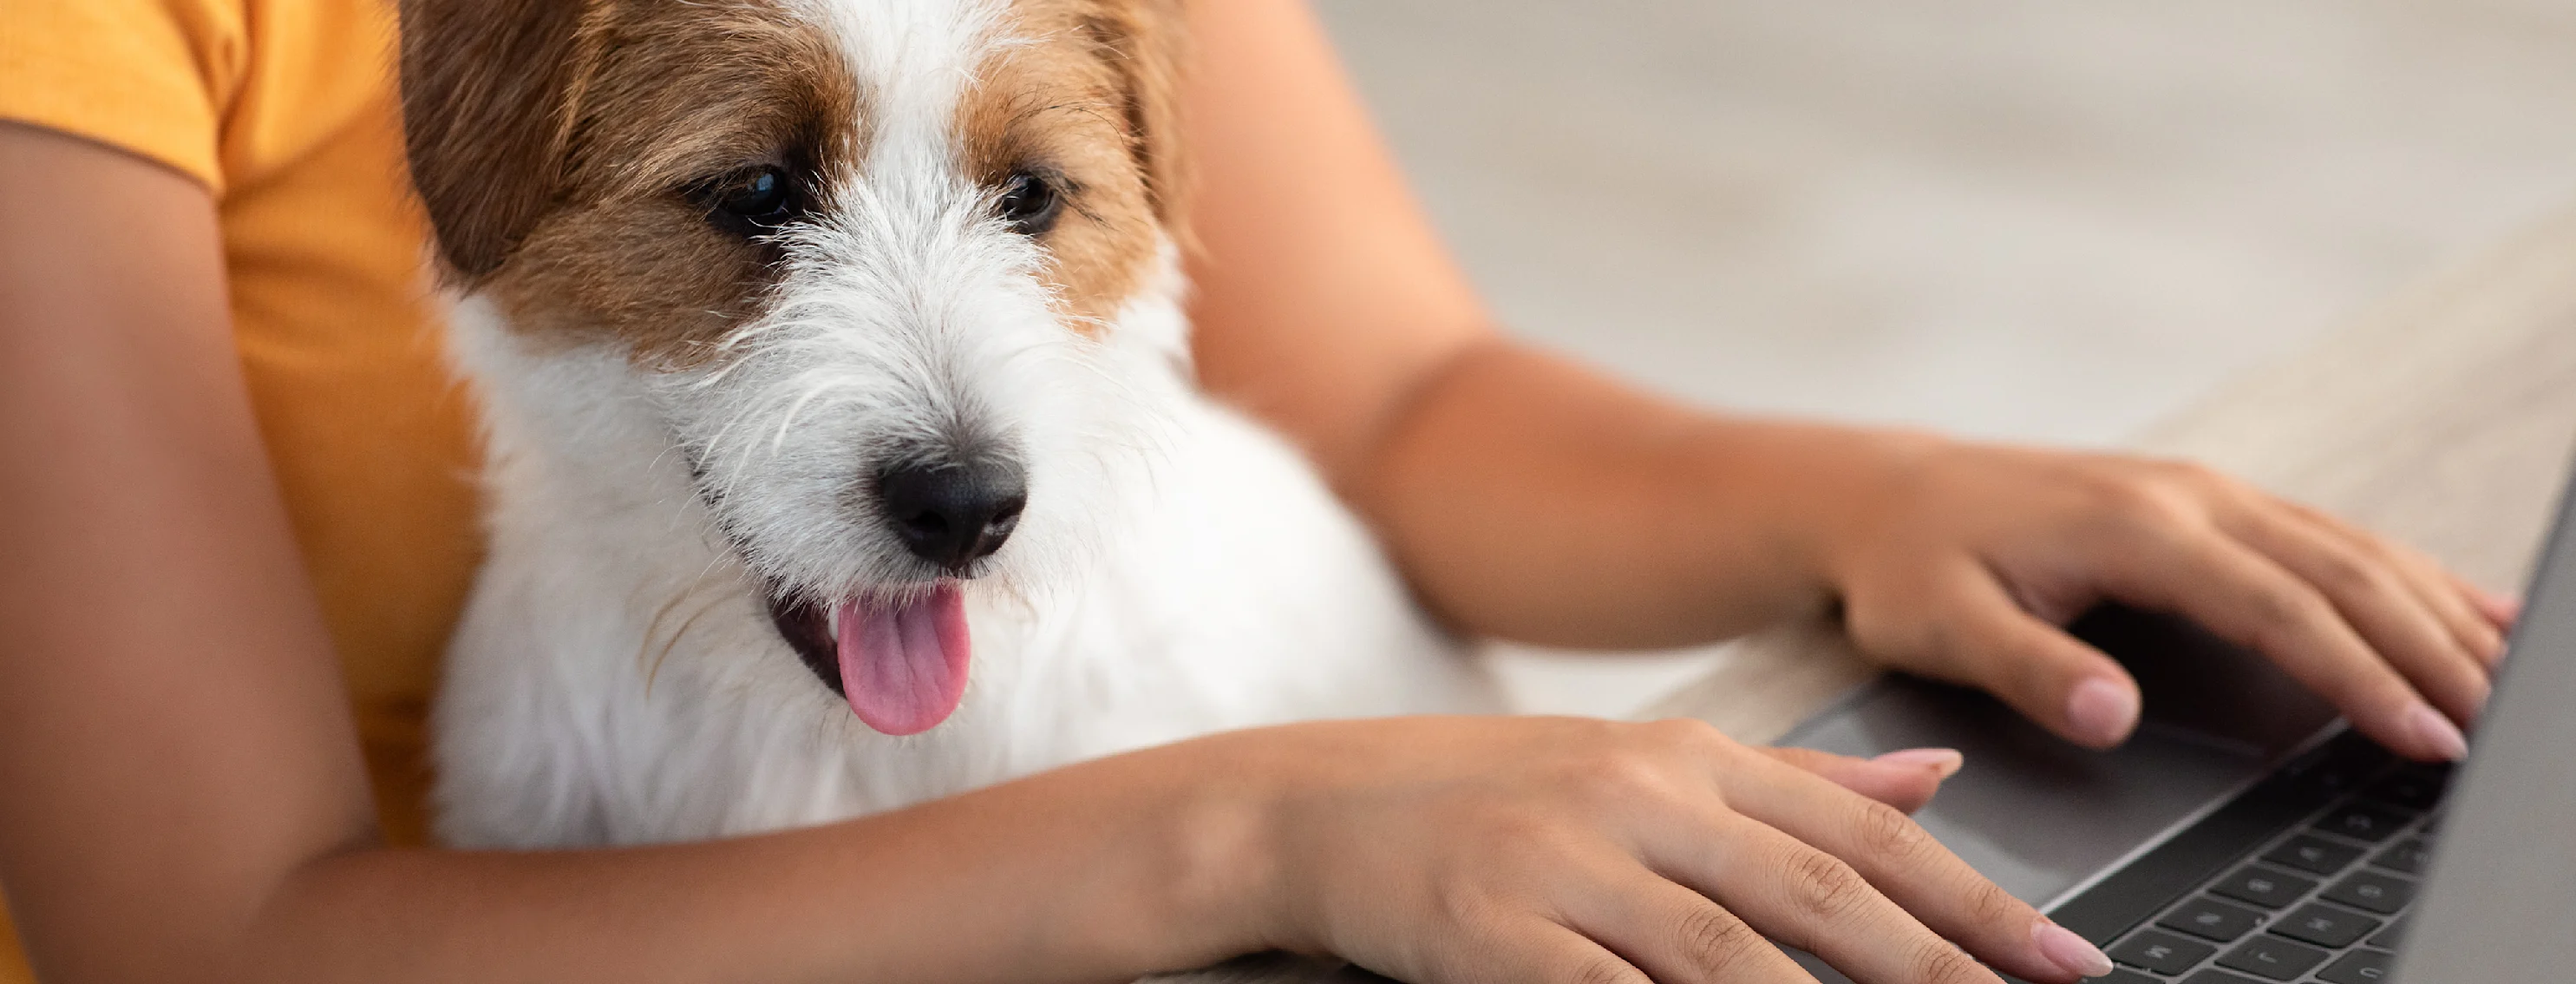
652, 98
484, 84
1090, 100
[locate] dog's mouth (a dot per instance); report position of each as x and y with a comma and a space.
900, 662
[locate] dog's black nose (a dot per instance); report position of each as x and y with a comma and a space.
954, 514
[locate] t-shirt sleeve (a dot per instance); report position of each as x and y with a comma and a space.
151, 77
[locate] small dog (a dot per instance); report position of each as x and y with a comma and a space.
842, 449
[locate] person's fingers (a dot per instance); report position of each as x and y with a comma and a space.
1903, 779
2372, 597
1977, 636
2468, 611
1814, 901
1676, 935
1532, 950
2248, 599
2503, 610
1908, 867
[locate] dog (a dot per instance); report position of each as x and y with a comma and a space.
841, 444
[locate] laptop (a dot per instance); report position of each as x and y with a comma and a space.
2245, 836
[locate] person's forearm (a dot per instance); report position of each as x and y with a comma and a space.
1532, 499
1529, 499
1108, 871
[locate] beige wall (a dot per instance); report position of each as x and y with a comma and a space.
2027, 218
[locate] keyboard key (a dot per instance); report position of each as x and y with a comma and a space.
2409, 856
2363, 821
2313, 854
2263, 886
2413, 788
2212, 920
2341, 765
2325, 926
2359, 967
2272, 958
2395, 934
2123, 977
2218, 977
2163, 953
2373, 891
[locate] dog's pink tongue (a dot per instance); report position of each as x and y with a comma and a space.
903, 666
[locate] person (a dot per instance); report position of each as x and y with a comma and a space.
231, 454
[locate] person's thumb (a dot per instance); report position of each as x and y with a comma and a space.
1986, 641
1903, 779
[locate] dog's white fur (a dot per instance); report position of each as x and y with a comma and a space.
1179, 570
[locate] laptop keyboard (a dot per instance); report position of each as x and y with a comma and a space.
2305, 878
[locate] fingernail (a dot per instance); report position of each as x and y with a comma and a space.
1946, 761
2102, 711
2068, 951
2503, 609
2508, 609
2437, 733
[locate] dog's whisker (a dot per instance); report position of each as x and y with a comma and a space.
654, 670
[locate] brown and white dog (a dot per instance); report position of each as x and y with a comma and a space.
842, 445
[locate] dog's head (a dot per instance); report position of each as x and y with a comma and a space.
860, 253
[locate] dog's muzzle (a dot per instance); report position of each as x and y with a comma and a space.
900, 659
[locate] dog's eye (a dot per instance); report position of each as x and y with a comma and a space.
1030, 204
754, 200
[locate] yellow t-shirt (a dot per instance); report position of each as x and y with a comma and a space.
285, 110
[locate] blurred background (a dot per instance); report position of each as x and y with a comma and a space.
2032, 220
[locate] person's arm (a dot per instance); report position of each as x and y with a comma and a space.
1528, 498
181, 797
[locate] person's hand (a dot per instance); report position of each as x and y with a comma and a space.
1963, 561
1498, 850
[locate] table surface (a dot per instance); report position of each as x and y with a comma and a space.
2446, 418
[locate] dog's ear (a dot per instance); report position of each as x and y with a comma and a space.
1148, 41
487, 93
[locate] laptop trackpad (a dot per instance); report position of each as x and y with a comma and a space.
2033, 813
2039, 815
